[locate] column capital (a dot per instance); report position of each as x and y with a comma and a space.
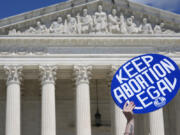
113, 69
82, 73
14, 73
48, 74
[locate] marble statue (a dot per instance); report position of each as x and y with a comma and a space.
113, 22
123, 28
31, 30
57, 26
12, 32
159, 29
168, 32
146, 27
41, 29
70, 26
86, 22
78, 25
131, 26
100, 21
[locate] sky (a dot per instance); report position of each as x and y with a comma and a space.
170, 5
13, 7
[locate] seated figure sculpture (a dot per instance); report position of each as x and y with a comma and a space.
70, 25
85, 22
57, 26
113, 22
146, 27
159, 29
41, 29
100, 21
131, 26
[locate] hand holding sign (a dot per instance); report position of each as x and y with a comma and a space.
128, 110
150, 81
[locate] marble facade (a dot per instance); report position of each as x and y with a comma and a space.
53, 59
98, 23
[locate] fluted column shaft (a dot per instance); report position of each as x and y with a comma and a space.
13, 100
118, 120
48, 117
83, 116
157, 122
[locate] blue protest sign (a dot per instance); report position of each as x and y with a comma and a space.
151, 81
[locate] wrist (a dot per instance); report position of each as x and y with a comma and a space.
129, 116
131, 120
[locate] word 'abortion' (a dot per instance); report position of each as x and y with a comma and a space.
141, 77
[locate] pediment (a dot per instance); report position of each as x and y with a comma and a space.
93, 17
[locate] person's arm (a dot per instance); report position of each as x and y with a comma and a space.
128, 113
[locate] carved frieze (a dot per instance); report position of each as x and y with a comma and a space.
98, 23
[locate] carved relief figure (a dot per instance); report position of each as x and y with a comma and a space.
131, 26
78, 25
86, 22
14, 32
123, 29
158, 28
70, 25
113, 22
31, 30
41, 28
57, 26
146, 27
100, 21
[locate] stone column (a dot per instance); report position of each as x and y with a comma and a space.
157, 122
83, 115
13, 100
48, 117
118, 121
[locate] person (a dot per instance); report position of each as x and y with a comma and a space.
131, 26
123, 24
128, 113
57, 26
86, 22
100, 21
70, 25
113, 24
41, 28
146, 27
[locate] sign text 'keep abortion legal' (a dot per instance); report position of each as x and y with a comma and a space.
150, 81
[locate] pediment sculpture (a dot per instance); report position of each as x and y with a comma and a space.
98, 23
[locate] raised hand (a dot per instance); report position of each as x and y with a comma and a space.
128, 110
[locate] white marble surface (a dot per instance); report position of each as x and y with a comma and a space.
49, 14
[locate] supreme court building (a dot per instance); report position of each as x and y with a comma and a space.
57, 62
